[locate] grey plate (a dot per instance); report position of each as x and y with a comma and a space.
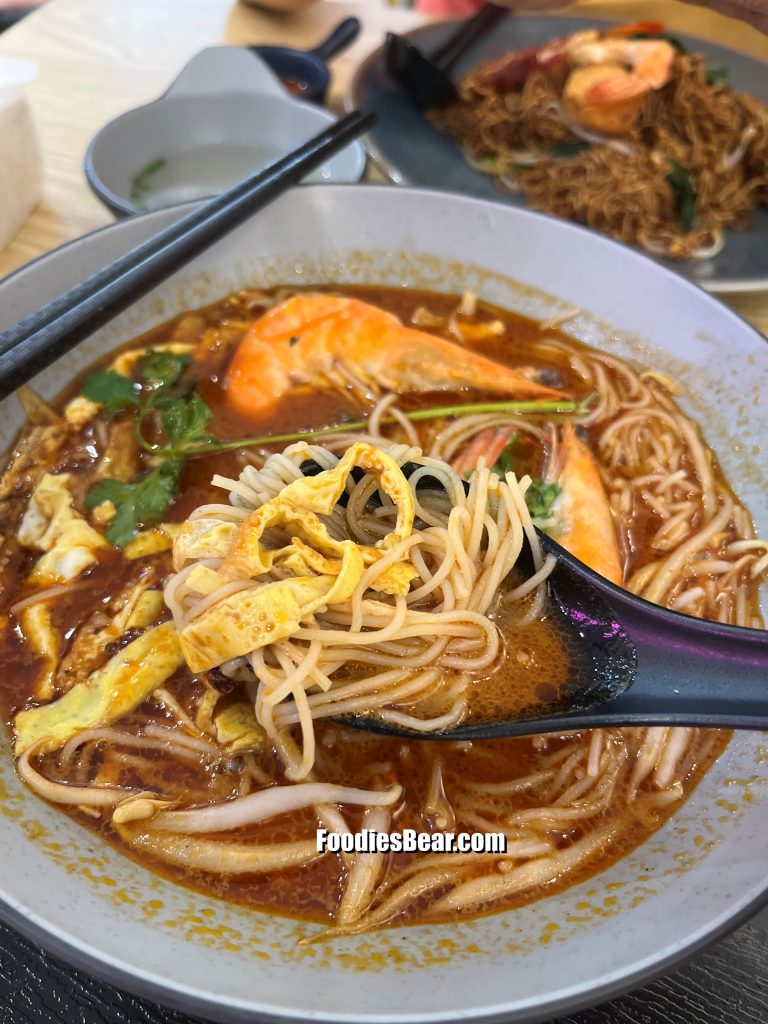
411, 152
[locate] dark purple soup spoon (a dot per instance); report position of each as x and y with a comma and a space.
639, 664
426, 80
633, 663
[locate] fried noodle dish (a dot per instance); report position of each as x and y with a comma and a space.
623, 130
272, 515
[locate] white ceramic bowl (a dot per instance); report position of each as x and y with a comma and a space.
223, 117
702, 874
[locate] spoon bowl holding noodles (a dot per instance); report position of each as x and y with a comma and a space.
629, 662
600, 657
188, 782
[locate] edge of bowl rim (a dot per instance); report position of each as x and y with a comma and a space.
80, 956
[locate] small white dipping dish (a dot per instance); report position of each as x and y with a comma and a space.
226, 115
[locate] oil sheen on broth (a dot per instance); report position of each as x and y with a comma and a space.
536, 665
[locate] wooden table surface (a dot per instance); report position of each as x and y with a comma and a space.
98, 58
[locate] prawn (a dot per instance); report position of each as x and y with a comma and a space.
310, 336
611, 77
582, 520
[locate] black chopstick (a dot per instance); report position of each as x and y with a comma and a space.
40, 338
467, 34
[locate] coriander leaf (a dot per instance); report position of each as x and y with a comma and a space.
149, 497
681, 182
111, 390
115, 491
184, 419
154, 492
162, 369
540, 497
139, 503
563, 150
678, 44
506, 462
716, 75
123, 527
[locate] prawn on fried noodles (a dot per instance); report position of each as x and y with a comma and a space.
621, 129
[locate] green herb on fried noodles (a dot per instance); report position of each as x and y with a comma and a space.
681, 181
716, 74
